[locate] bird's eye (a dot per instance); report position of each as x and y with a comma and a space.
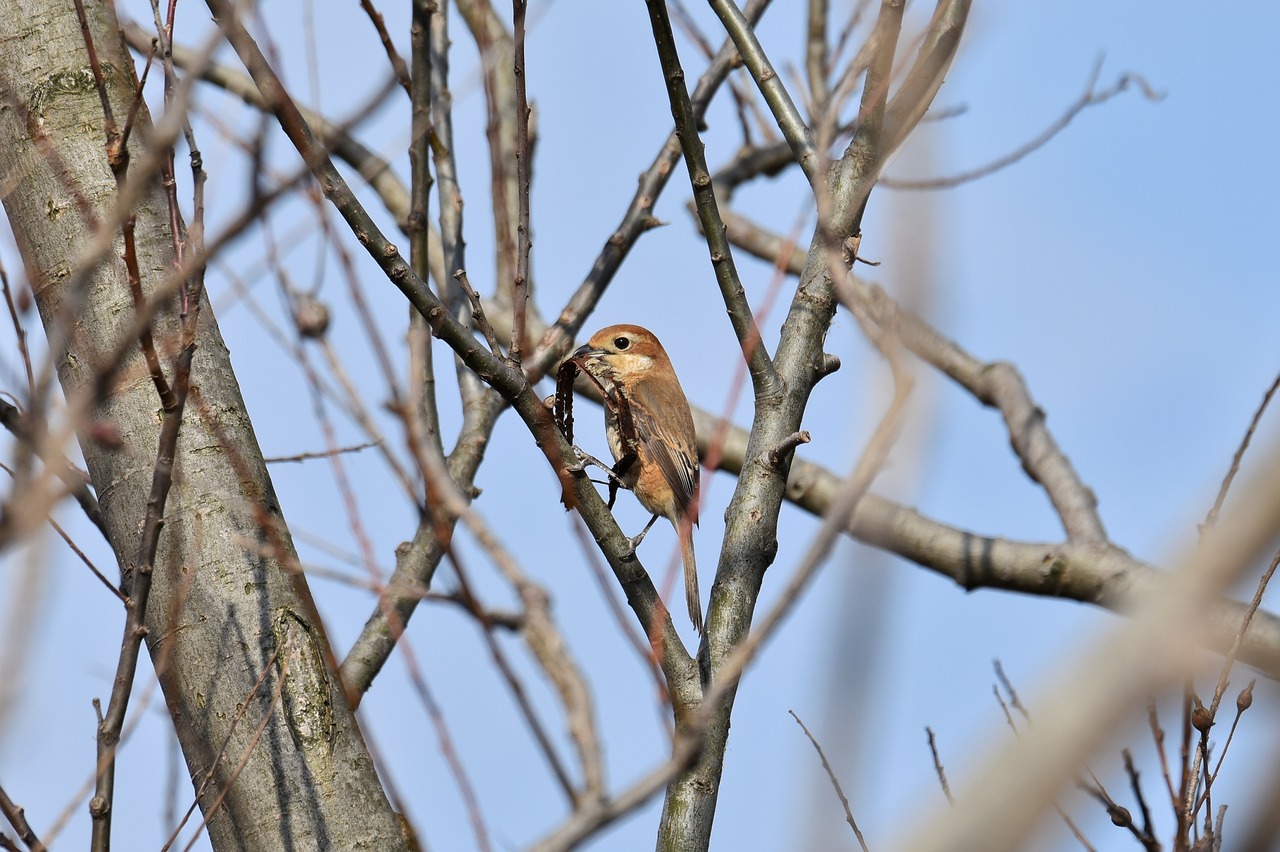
621, 343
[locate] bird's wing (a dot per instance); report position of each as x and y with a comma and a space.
669, 440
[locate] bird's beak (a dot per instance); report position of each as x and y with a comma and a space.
586, 351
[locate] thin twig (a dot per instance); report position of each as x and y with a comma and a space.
75, 481
1090, 97
515, 685
102, 578
76, 800
496, 48
937, 766
639, 644
1249, 613
374, 334
444, 741
816, 60
1004, 707
1135, 783
869, 148
19, 332
1157, 735
452, 247
743, 96
1212, 518
322, 454
1181, 803
250, 747
1015, 702
1243, 702
18, 819
835, 782
397, 62
477, 313
210, 773
1120, 816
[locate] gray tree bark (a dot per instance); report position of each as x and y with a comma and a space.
224, 612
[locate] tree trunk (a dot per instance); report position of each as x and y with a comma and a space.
223, 613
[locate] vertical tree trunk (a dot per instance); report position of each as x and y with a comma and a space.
222, 613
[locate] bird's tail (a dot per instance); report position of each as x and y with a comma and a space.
684, 530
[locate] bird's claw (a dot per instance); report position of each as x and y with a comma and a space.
585, 460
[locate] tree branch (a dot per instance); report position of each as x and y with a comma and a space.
789, 120
763, 377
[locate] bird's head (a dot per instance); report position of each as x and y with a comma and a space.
621, 350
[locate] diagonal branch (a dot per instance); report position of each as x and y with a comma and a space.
789, 120
1000, 386
1092, 96
17, 817
763, 376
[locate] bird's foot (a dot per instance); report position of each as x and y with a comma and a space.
586, 460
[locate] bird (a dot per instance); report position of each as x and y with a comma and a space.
650, 432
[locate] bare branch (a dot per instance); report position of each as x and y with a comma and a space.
763, 375
1212, 518
497, 59
118, 159
788, 118
397, 62
1147, 835
18, 819
1001, 386
835, 782
323, 454
937, 764
1090, 97
816, 64
520, 282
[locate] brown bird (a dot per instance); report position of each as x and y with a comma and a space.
650, 432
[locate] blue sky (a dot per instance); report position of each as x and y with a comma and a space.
1126, 268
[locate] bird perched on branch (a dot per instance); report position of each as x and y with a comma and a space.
650, 432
